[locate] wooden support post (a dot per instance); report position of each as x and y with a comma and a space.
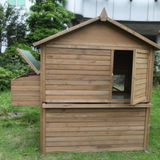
147, 126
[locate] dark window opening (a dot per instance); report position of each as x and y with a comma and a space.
122, 74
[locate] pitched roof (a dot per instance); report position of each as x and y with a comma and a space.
103, 17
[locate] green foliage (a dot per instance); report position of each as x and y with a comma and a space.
156, 69
13, 65
47, 18
12, 28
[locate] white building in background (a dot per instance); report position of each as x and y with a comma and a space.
143, 16
25, 4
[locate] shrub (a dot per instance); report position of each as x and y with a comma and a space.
13, 65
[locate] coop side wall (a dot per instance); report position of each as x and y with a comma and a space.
89, 129
25, 91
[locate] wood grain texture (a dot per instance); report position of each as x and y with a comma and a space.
94, 129
78, 75
25, 91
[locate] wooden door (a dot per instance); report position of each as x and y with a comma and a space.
78, 75
139, 91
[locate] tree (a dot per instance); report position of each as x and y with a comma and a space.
47, 17
12, 26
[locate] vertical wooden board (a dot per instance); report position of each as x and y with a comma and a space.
42, 111
111, 73
44, 73
147, 126
138, 54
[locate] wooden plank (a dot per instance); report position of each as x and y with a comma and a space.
140, 55
93, 138
141, 65
147, 126
24, 92
93, 129
98, 133
96, 114
77, 72
25, 103
77, 67
78, 57
92, 110
141, 81
141, 76
96, 106
25, 98
141, 71
140, 96
142, 61
92, 143
51, 49
77, 87
78, 77
72, 82
80, 98
99, 119
91, 149
95, 124
111, 74
140, 86
25, 83
141, 91
80, 92
27, 78
82, 62
26, 88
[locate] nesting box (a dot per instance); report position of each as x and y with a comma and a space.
81, 108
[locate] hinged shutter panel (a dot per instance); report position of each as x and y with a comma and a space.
139, 91
78, 75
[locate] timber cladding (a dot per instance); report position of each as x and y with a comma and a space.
78, 75
25, 91
82, 130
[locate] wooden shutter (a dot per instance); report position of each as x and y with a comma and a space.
78, 75
139, 91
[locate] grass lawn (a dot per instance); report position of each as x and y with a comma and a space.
20, 136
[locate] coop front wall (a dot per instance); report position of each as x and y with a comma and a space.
78, 75
82, 130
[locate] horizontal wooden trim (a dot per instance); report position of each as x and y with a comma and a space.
82, 62
77, 72
92, 110
95, 124
96, 105
76, 82
78, 77
93, 138
77, 67
91, 149
25, 103
96, 47
25, 83
78, 57
93, 143
72, 92
77, 87
50, 49
97, 133
25, 88
94, 119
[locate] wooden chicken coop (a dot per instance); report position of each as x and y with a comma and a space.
81, 109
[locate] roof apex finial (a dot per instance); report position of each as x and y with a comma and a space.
103, 15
